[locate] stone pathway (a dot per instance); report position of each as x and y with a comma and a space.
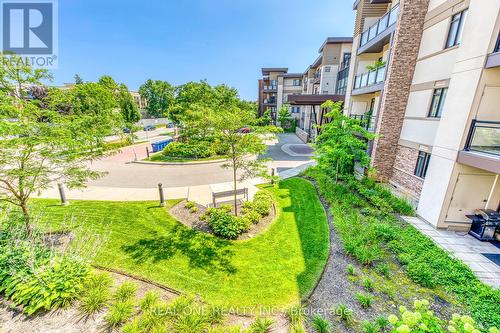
464, 247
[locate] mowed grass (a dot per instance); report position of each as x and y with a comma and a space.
274, 269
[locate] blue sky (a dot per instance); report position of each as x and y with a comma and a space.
223, 41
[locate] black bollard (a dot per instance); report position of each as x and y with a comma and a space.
64, 201
162, 196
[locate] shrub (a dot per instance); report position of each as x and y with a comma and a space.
343, 312
188, 150
96, 293
225, 225
150, 299
369, 327
262, 203
252, 217
214, 315
321, 324
192, 322
119, 313
382, 322
189, 205
364, 300
247, 207
261, 325
351, 270
297, 328
125, 292
383, 269
193, 210
296, 314
421, 273
34, 276
368, 284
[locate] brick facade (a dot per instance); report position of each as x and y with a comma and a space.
405, 46
404, 168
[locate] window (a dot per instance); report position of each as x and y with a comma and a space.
328, 69
295, 109
437, 104
297, 82
456, 28
422, 164
497, 47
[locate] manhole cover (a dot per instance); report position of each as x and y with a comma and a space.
301, 149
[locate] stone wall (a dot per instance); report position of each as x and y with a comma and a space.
405, 46
404, 169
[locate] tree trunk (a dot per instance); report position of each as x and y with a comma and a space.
235, 197
27, 220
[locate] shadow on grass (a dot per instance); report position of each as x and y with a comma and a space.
202, 251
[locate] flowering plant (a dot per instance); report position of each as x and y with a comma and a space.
424, 320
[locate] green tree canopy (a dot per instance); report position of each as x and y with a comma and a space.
129, 110
40, 146
159, 96
341, 143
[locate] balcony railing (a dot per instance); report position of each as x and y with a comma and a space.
271, 100
367, 121
270, 88
368, 79
380, 26
484, 137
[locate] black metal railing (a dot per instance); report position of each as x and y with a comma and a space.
370, 78
367, 121
380, 26
484, 137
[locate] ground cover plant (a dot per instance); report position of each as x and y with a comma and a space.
372, 235
276, 268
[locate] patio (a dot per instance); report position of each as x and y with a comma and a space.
466, 248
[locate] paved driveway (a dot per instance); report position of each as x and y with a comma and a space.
122, 173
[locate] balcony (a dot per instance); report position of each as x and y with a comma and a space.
482, 148
494, 57
270, 101
367, 121
369, 82
377, 35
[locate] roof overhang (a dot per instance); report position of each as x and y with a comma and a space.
267, 70
313, 100
335, 40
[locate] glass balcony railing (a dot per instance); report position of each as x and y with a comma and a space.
368, 79
270, 88
484, 137
367, 121
380, 26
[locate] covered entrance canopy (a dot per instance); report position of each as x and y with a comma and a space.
316, 113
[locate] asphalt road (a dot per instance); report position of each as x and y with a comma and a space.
122, 173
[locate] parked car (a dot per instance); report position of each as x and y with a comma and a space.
126, 130
170, 125
245, 130
149, 128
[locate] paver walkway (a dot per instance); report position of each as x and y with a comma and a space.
464, 247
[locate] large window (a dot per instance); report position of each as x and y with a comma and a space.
438, 99
295, 109
297, 82
456, 28
422, 164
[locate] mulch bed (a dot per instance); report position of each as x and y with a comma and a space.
192, 220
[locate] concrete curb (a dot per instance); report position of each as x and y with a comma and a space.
178, 163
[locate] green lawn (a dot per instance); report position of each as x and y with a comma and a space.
275, 269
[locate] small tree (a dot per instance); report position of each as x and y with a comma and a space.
342, 142
242, 149
78, 79
128, 108
284, 115
40, 146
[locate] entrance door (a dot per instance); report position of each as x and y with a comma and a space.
471, 193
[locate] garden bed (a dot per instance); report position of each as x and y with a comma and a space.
192, 220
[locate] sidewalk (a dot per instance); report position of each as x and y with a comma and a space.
466, 248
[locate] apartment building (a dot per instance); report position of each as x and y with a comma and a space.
425, 76
325, 79
268, 90
289, 84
